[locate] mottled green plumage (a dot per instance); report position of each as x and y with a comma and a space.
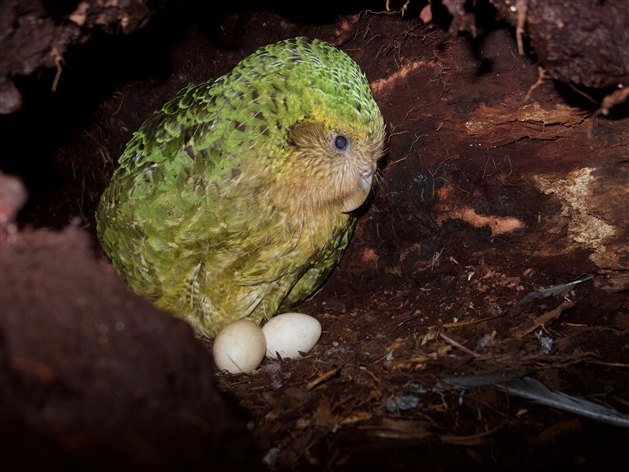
231, 201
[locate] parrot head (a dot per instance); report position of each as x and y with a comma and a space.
329, 133
337, 162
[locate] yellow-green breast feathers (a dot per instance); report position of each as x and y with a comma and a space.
231, 201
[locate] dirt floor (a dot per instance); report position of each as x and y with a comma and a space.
498, 182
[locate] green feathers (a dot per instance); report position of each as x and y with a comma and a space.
231, 201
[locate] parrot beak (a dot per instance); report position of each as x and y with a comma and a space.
360, 195
366, 183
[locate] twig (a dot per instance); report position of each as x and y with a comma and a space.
540, 78
485, 168
58, 60
542, 320
473, 439
468, 323
410, 111
406, 321
399, 160
322, 378
610, 101
452, 342
413, 143
521, 7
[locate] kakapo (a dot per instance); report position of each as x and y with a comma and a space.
233, 200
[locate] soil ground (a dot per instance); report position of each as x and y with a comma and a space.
468, 218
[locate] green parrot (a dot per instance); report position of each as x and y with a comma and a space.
233, 200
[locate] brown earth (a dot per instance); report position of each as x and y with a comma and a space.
498, 182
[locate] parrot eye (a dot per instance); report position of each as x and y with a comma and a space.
340, 142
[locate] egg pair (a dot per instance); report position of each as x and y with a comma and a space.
241, 345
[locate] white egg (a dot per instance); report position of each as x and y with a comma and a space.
289, 334
239, 347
